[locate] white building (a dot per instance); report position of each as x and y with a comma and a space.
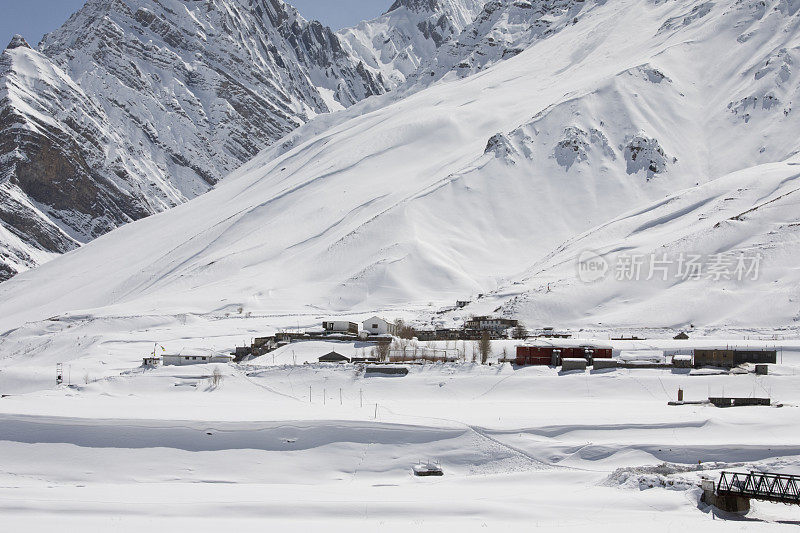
196, 357
378, 326
340, 326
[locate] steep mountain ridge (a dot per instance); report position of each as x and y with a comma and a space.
501, 29
408, 35
52, 195
157, 100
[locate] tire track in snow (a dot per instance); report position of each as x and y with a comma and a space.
481, 432
243, 373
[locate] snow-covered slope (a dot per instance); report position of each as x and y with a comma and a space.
457, 188
409, 34
148, 104
722, 253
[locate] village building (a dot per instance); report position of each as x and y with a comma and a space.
197, 357
340, 326
553, 355
365, 359
573, 363
333, 357
491, 324
729, 358
378, 326
550, 332
426, 335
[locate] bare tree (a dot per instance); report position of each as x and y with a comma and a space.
485, 347
403, 330
216, 378
382, 351
520, 331
404, 347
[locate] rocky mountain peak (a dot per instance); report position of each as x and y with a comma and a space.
415, 5
18, 41
500, 30
394, 45
462, 12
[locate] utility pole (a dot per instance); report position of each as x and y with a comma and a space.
340, 396
376, 411
361, 396
324, 396
309, 394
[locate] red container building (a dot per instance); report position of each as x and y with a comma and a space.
535, 355
552, 355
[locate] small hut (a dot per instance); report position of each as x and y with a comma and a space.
333, 357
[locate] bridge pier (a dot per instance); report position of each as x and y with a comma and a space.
729, 503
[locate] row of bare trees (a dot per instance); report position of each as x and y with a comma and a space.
405, 348
404, 331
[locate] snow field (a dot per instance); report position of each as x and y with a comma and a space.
519, 446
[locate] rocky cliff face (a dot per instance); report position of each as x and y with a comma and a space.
134, 106
500, 30
408, 35
55, 189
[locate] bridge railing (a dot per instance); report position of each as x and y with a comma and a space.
780, 488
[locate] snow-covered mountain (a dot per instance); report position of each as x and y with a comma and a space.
408, 35
134, 106
470, 185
